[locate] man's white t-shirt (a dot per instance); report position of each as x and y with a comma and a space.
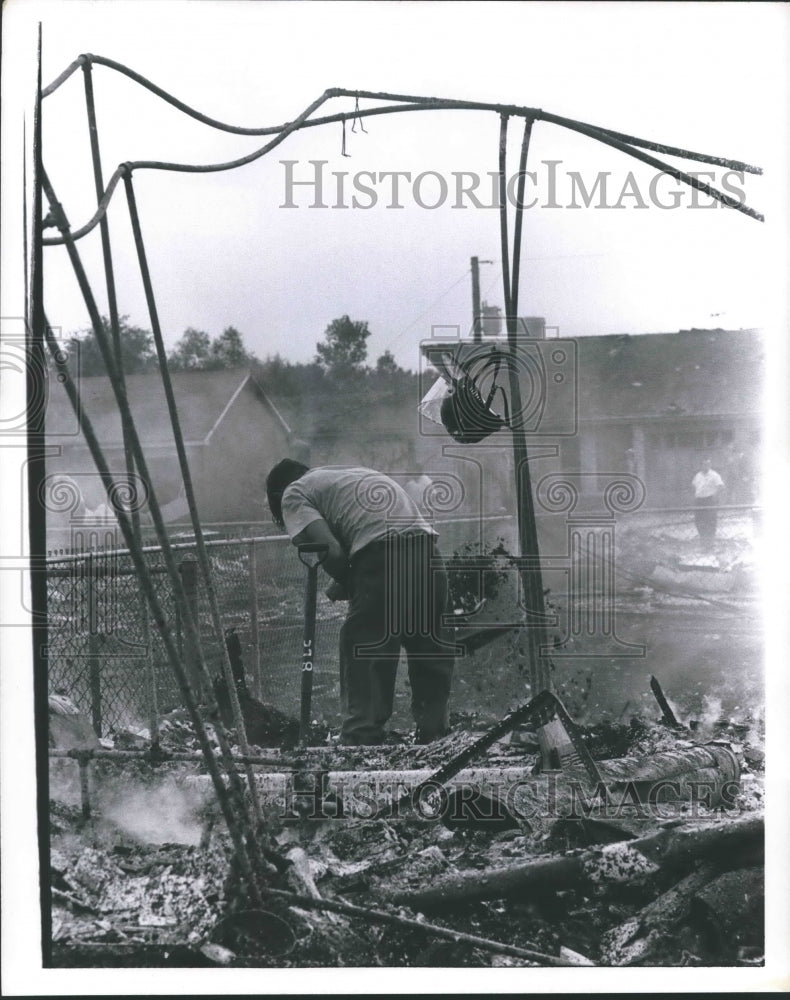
360, 506
706, 484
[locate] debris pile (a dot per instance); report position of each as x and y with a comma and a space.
471, 879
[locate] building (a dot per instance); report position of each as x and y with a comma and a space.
232, 431
655, 405
652, 405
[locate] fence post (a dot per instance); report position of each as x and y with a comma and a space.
255, 634
94, 661
189, 577
150, 670
85, 798
179, 630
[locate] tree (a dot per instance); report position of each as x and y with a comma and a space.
192, 352
137, 349
344, 349
387, 365
196, 351
228, 350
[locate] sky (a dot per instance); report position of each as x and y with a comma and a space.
224, 250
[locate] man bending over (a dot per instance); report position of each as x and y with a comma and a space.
384, 559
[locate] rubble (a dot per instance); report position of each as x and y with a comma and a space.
731, 907
673, 849
69, 728
596, 889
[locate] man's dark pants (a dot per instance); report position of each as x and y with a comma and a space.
399, 596
705, 519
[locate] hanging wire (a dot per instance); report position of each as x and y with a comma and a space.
415, 104
357, 118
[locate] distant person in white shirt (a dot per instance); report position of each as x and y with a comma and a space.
707, 485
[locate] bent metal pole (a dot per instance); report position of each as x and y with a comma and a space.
538, 663
245, 851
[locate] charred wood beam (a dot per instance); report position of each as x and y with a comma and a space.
654, 788
568, 958
636, 938
675, 848
666, 711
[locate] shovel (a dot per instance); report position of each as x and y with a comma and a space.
312, 554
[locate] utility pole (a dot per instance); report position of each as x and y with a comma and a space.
477, 322
477, 331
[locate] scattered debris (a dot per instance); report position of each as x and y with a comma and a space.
597, 876
731, 907
69, 728
666, 711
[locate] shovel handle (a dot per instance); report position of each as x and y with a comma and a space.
312, 555
312, 549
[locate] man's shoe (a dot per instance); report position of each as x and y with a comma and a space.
423, 736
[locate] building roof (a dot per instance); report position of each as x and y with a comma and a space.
689, 373
365, 409
692, 373
202, 399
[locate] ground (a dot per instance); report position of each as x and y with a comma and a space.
122, 896
148, 878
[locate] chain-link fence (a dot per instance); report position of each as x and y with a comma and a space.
102, 650
107, 656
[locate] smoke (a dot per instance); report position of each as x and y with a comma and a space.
165, 813
64, 782
712, 710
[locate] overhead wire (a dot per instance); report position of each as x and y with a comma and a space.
425, 312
